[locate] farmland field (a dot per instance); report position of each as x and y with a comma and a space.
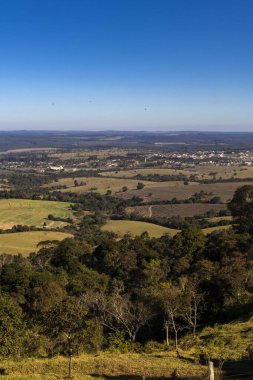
102, 185
169, 190
225, 172
146, 171
201, 172
182, 210
32, 212
152, 191
122, 227
26, 242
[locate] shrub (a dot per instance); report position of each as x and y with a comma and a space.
118, 342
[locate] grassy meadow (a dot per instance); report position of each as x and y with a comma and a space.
227, 343
32, 212
102, 185
104, 366
122, 227
26, 242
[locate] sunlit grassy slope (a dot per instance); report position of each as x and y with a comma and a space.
103, 366
26, 242
31, 212
122, 227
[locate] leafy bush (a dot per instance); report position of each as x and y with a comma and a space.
118, 342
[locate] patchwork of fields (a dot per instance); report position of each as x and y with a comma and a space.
35, 212
152, 191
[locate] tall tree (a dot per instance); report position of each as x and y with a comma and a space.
12, 326
241, 207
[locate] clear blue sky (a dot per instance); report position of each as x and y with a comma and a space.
126, 64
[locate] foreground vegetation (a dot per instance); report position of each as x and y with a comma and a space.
104, 365
225, 344
94, 291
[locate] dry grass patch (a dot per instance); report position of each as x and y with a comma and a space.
102, 185
225, 172
146, 171
160, 191
181, 210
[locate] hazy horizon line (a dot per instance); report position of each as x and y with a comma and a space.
125, 130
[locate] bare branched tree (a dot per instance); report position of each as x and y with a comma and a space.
117, 312
193, 303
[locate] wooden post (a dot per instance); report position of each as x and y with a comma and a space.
210, 370
70, 363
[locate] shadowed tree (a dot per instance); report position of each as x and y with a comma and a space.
241, 207
12, 327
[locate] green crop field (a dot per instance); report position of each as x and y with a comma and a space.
32, 212
122, 227
26, 242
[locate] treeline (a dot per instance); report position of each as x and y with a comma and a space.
89, 201
175, 222
185, 178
